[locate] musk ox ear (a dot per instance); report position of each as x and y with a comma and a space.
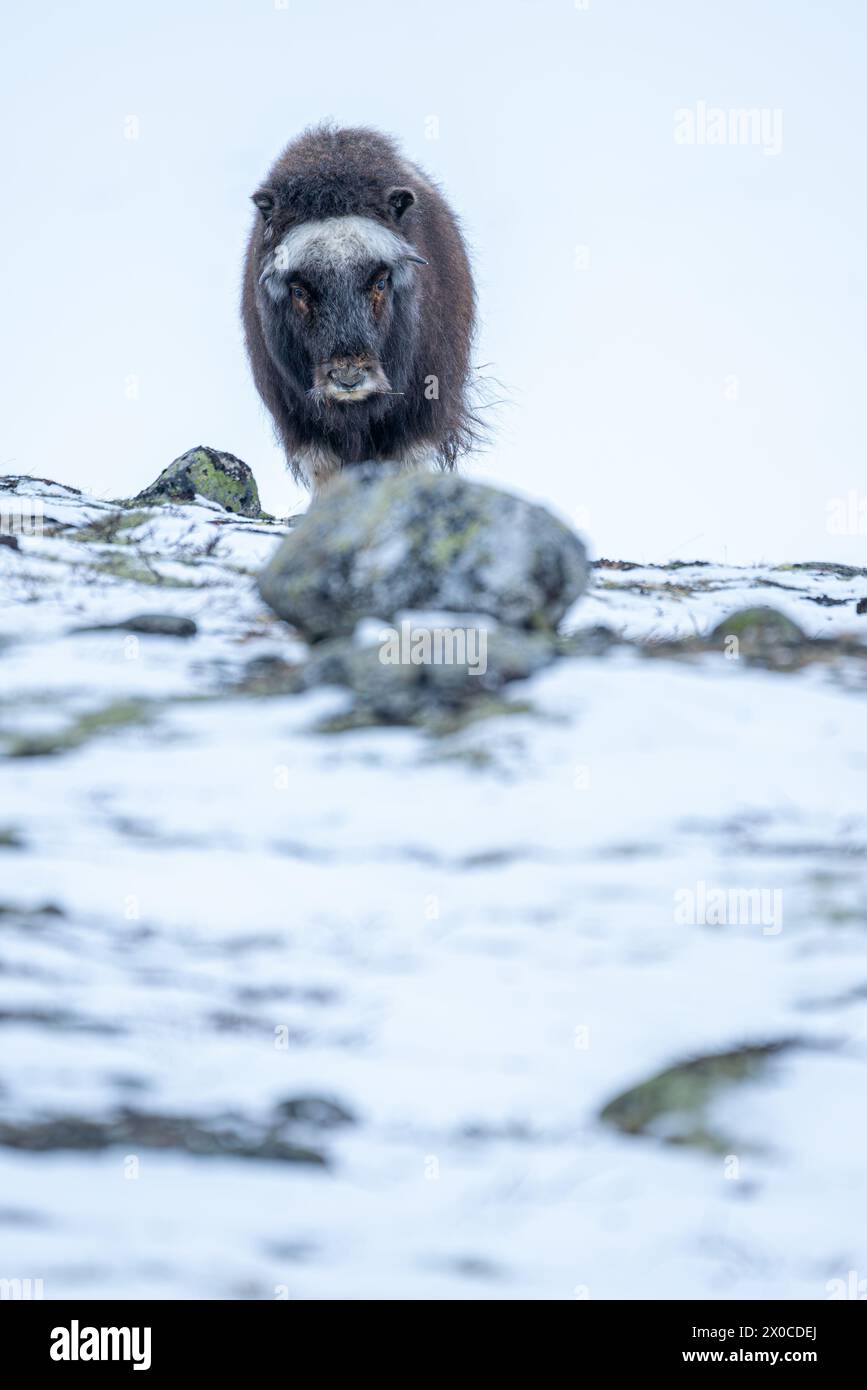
265, 200
398, 200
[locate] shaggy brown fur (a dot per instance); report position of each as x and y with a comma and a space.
359, 332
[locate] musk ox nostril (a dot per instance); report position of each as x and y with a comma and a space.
346, 376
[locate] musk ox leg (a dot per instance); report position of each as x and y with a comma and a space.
318, 469
314, 467
416, 457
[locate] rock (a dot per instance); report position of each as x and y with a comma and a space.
820, 567
406, 692
673, 1104
270, 675
204, 1137
316, 1111
207, 473
374, 545
763, 635
156, 624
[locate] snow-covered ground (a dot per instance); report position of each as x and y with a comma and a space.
296, 1013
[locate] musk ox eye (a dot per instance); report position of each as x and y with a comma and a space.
300, 298
377, 291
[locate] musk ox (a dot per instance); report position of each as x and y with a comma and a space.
358, 308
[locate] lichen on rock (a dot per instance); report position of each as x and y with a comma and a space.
763, 635
208, 473
374, 545
672, 1105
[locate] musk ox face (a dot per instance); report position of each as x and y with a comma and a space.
338, 302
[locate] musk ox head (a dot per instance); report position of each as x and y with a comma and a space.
338, 302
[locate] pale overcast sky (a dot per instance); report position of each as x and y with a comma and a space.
679, 328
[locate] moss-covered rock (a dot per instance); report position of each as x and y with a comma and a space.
672, 1105
375, 545
207, 473
763, 634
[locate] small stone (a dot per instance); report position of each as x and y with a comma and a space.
211, 474
316, 1111
155, 624
762, 633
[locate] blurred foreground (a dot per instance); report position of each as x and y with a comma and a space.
296, 1009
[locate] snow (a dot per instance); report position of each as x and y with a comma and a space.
469, 942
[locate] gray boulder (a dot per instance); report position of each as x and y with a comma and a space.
403, 691
374, 545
